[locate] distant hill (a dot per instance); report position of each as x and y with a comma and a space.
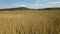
25, 8
19, 8
50, 9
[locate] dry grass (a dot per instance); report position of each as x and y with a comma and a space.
30, 22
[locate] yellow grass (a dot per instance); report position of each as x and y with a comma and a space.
30, 22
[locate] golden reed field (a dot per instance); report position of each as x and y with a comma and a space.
30, 22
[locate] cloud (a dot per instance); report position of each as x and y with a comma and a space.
36, 6
13, 5
16, 5
52, 4
33, 6
47, 5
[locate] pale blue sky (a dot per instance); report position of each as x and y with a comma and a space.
29, 3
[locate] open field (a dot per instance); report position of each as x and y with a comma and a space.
30, 22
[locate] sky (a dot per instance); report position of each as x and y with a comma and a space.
35, 4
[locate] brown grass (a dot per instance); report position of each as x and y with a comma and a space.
30, 22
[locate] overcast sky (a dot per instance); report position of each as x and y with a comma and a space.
29, 3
